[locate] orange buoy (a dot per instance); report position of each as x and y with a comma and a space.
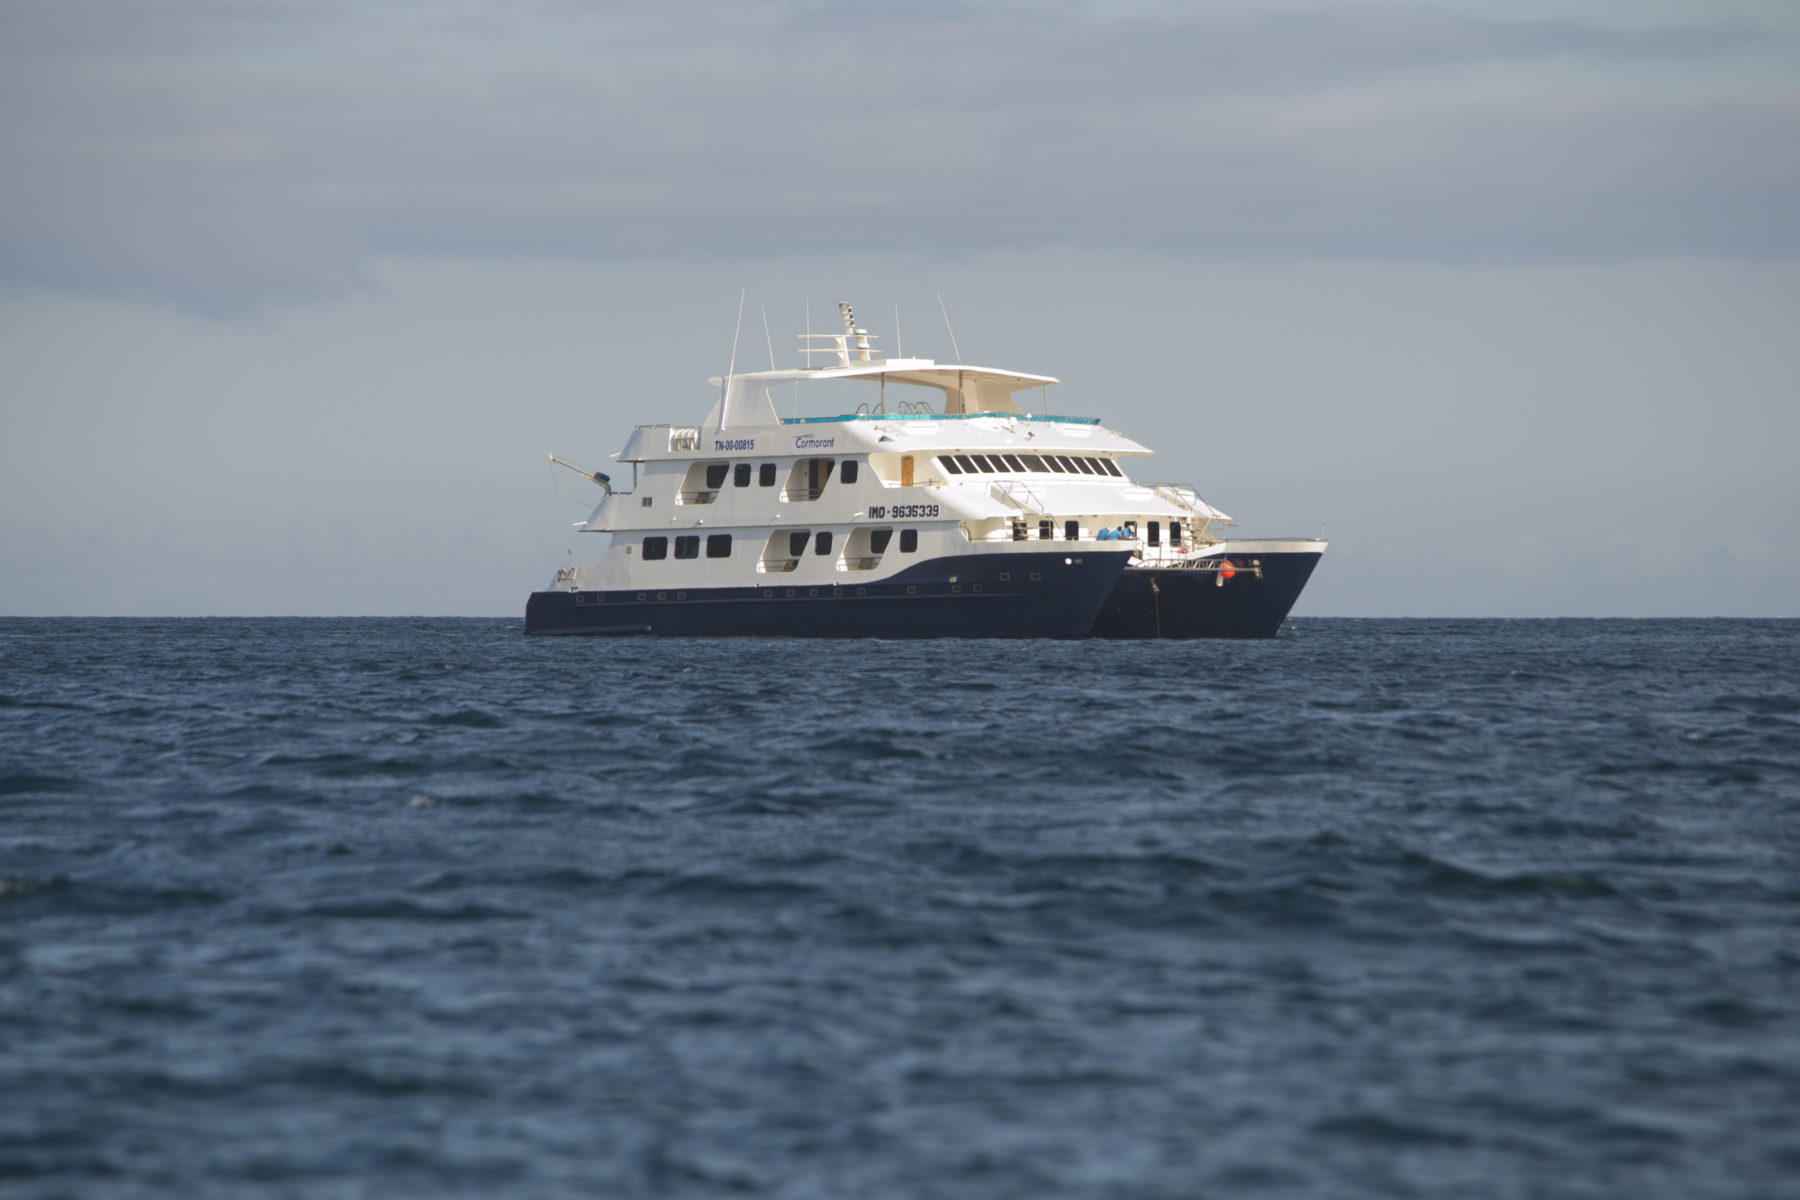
1227, 569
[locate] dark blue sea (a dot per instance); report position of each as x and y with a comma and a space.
425, 908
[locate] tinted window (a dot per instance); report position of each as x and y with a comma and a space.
847, 474
967, 463
1072, 530
879, 539
1012, 460
948, 462
718, 545
797, 544
765, 475
1046, 530
1032, 462
1174, 533
656, 547
687, 546
1098, 466
1051, 462
1112, 468
1153, 532
1085, 466
740, 475
715, 475
909, 540
822, 543
990, 465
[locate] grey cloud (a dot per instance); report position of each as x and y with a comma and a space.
229, 156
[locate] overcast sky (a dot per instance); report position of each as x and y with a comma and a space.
295, 296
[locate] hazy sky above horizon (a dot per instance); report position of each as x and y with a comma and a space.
294, 296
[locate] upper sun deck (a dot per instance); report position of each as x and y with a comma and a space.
979, 400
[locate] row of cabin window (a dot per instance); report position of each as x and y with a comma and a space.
718, 545
1059, 464
1072, 531
765, 477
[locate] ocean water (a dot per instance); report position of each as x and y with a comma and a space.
395, 908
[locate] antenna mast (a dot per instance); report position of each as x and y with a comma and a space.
946, 312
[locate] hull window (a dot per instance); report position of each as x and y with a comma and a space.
822, 543
715, 476
740, 475
847, 472
909, 540
797, 543
687, 546
656, 547
718, 545
765, 475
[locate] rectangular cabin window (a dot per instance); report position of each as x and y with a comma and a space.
1046, 530
718, 545
967, 463
740, 475
1112, 467
1050, 461
948, 463
1153, 532
765, 475
847, 472
1098, 465
797, 543
1033, 463
1174, 533
909, 540
906, 470
715, 475
1013, 461
656, 547
687, 546
1085, 466
1072, 530
879, 539
822, 543
987, 464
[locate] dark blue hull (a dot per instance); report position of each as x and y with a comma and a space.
1050, 595
1251, 603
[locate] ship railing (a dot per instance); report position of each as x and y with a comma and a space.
778, 566
1018, 494
862, 563
700, 497
807, 493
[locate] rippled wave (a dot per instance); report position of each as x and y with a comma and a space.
421, 907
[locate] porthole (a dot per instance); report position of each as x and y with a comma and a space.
956, 587
1005, 576
643, 595
911, 590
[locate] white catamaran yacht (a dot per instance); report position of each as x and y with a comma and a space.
952, 513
